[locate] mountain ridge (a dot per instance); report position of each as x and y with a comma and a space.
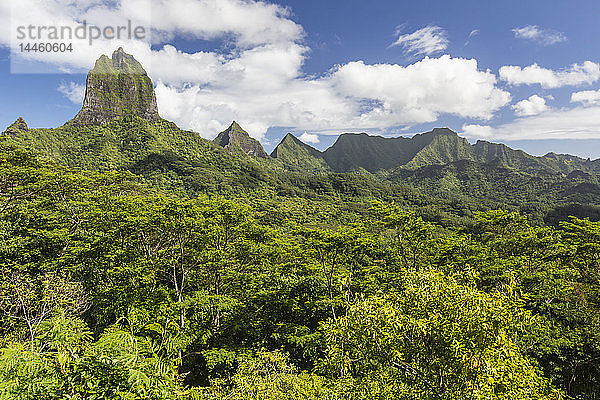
99, 138
354, 152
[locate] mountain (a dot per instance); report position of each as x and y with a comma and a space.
117, 87
237, 141
16, 127
439, 172
356, 152
298, 156
119, 128
361, 152
440, 146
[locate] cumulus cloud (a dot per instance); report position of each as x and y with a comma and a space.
72, 91
309, 138
576, 74
421, 91
69, 14
354, 96
244, 24
542, 36
534, 105
298, 103
586, 97
425, 41
576, 123
250, 23
477, 131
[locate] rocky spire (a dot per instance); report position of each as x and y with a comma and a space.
237, 141
18, 126
117, 87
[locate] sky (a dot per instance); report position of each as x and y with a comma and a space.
524, 73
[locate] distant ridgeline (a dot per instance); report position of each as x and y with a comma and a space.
119, 128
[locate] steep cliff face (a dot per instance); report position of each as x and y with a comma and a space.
117, 87
237, 141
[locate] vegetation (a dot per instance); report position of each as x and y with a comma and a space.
123, 280
140, 261
181, 162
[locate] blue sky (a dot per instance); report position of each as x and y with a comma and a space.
526, 73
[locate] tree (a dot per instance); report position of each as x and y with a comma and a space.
436, 339
31, 300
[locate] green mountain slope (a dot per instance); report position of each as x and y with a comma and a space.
519, 160
298, 156
533, 193
114, 145
362, 152
157, 150
356, 152
445, 146
237, 141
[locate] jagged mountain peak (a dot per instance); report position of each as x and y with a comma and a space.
290, 141
120, 62
236, 128
117, 87
18, 126
237, 141
299, 156
443, 131
291, 138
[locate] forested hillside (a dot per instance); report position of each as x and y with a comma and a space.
114, 290
140, 261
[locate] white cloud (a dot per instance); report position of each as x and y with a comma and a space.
473, 33
587, 97
72, 91
298, 103
259, 95
243, 24
251, 23
576, 123
536, 34
309, 138
576, 74
425, 41
477, 131
421, 91
534, 105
